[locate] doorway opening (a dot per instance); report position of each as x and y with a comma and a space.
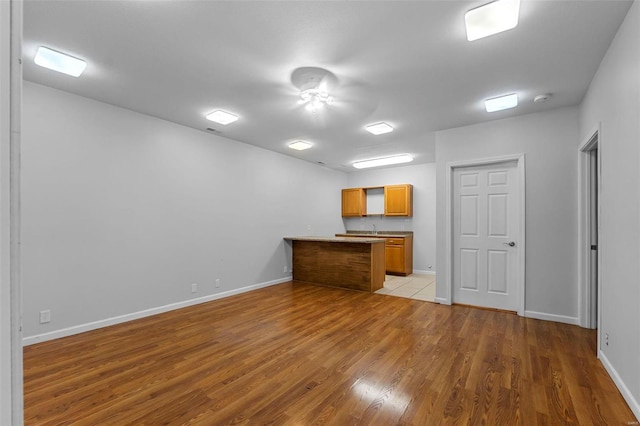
589, 231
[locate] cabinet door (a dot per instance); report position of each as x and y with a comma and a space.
398, 200
394, 259
354, 203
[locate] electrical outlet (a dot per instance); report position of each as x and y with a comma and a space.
308, 227
606, 339
194, 288
285, 268
45, 316
217, 282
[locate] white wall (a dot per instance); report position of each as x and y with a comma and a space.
548, 140
122, 212
423, 222
613, 101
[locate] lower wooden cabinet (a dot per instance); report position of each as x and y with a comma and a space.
398, 252
399, 255
394, 259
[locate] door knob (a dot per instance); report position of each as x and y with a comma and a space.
510, 244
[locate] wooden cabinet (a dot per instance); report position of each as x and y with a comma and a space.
399, 255
394, 259
398, 251
354, 202
398, 200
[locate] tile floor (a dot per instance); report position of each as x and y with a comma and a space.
421, 287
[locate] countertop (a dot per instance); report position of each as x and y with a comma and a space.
372, 235
351, 239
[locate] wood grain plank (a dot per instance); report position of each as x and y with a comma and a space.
296, 354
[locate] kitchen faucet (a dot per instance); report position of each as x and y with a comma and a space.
374, 230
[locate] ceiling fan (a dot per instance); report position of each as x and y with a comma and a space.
320, 91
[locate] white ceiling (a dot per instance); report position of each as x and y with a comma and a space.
404, 62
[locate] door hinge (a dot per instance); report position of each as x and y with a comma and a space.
594, 247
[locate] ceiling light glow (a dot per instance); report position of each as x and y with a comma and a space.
384, 161
501, 102
315, 99
222, 117
492, 18
379, 128
300, 145
60, 62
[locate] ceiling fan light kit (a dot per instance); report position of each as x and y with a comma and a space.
315, 99
315, 84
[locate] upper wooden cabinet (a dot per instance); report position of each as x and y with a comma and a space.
354, 202
398, 200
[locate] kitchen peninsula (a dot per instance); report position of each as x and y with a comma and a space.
345, 262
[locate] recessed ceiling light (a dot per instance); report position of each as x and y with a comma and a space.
379, 128
300, 145
501, 102
384, 161
222, 117
60, 62
491, 18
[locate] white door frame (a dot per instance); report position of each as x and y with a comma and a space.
586, 288
11, 399
450, 167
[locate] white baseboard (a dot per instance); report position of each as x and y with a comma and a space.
622, 387
421, 272
552, 317
442, 301
76, 329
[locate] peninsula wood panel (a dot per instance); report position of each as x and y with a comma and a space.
355, 266
299, 354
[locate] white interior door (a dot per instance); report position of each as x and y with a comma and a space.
486, 223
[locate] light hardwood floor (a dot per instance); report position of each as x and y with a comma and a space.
301, 354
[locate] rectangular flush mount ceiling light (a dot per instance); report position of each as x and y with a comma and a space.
384, 161
501, 102
492, 18
60, 62
379, 128
222, 117
300, 145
